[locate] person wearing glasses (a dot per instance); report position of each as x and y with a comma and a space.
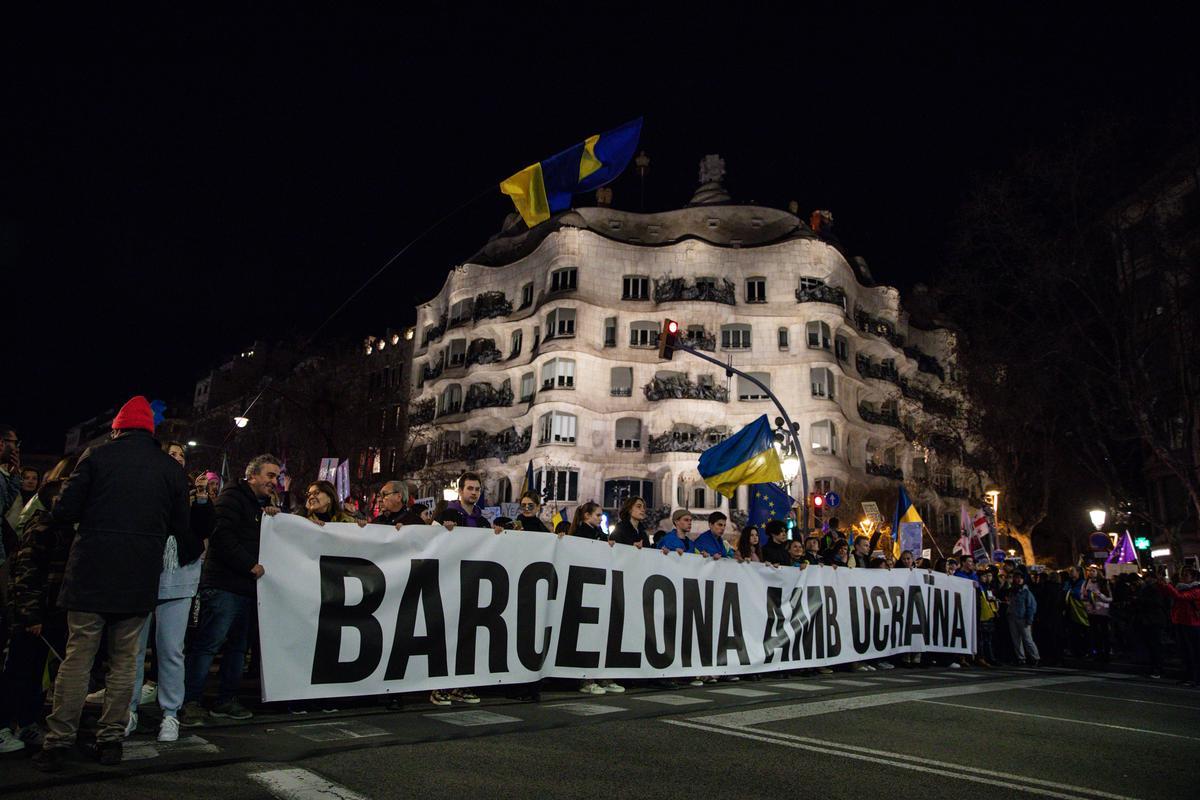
393, 498
528, 519
321, 505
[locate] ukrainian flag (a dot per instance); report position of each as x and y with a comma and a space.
746, 457
906, 513
546, 187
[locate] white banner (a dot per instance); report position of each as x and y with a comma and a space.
348, 611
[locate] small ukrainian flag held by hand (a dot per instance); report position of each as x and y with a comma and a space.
746, 457
546, 187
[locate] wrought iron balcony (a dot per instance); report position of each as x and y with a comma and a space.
683, 388
491, 304
925, 362
878, 371
483, 351
877, 327
432, 372
435, 333
822, 294
686, 441
703, 340
626, 391
885, 471
499, 446
868, 414
484, 395
667, 290
422, 412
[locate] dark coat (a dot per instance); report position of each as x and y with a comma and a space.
627, 533
37, 571
233, 546
589, 532
127, 497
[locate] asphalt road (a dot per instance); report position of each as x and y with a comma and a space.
922, 733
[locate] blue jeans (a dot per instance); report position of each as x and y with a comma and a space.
225, 620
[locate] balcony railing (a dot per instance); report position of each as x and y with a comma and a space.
686, 441
885, 471
483, 351
500, 445
484, 395
703, 341
877, 327
667, 290
491, 304
435, 333
925, 362
619, 391
878, 371
822, 294
422, 412
868, 414
683, 388
432, 371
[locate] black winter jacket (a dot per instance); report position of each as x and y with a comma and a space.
627, 533
233, 545
127, 497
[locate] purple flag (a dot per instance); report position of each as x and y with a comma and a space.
1123, 553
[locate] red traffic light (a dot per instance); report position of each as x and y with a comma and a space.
668, 339
818, 500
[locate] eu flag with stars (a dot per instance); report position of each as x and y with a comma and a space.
768, 502
545, 188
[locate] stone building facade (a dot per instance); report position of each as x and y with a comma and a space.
544, 347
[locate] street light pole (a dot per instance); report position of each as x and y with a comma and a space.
731, 370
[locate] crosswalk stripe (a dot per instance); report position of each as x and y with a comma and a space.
803, 687
671, 699
300, 784
742, 692
585, 709
847, 682
472, 718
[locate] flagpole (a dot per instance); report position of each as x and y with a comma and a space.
731, 370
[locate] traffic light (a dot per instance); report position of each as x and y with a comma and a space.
818, 501
668, 340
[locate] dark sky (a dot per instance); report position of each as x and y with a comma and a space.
182, 185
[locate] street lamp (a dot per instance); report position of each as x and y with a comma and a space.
241, 422
791, 468
1097, 516
192, 443
993, 496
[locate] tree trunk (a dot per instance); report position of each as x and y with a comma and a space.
1023, 539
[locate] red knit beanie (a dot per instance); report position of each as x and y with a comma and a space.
135, 414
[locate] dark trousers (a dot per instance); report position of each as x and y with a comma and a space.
1189, 649
21, 695
987, 633
1100, 645
225, 620
1151, 637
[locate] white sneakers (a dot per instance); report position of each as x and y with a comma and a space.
612, 686
591, 687
168, 731
886, 665
9, 741
149, 694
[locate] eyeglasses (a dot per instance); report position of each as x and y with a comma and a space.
528, 505
317, 493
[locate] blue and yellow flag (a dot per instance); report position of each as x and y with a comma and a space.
907, 526
768, 502
746, 457
546, 187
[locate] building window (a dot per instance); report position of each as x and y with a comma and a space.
618, 490
561, 485
698, 498
610, 332
783, 338
558, 373
822, 382
735, 337
824, 437
629, 434
504, 491
515, 350
461, 311
635, 287
810, 284
621, 381
527, 387
527, 295
756, 290
706, 286
560, 323
451, 401
749, 391
818, 335
564, 280
841, 348
643, 334
458, 353
822, 486
556, 428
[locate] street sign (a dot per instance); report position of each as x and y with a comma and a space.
832, 499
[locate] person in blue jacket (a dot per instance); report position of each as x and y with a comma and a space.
679, 539
711, 543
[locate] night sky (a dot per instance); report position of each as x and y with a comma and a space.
179, 186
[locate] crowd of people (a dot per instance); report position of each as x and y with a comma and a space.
121, 544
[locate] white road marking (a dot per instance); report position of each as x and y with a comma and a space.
670, 699
758, 716
1063, 719
585, 709
471, 718
300, 784
734, 691
847, 682
897, 680
803, 687
1121, 699
142, 750
1006, 780
334, 730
